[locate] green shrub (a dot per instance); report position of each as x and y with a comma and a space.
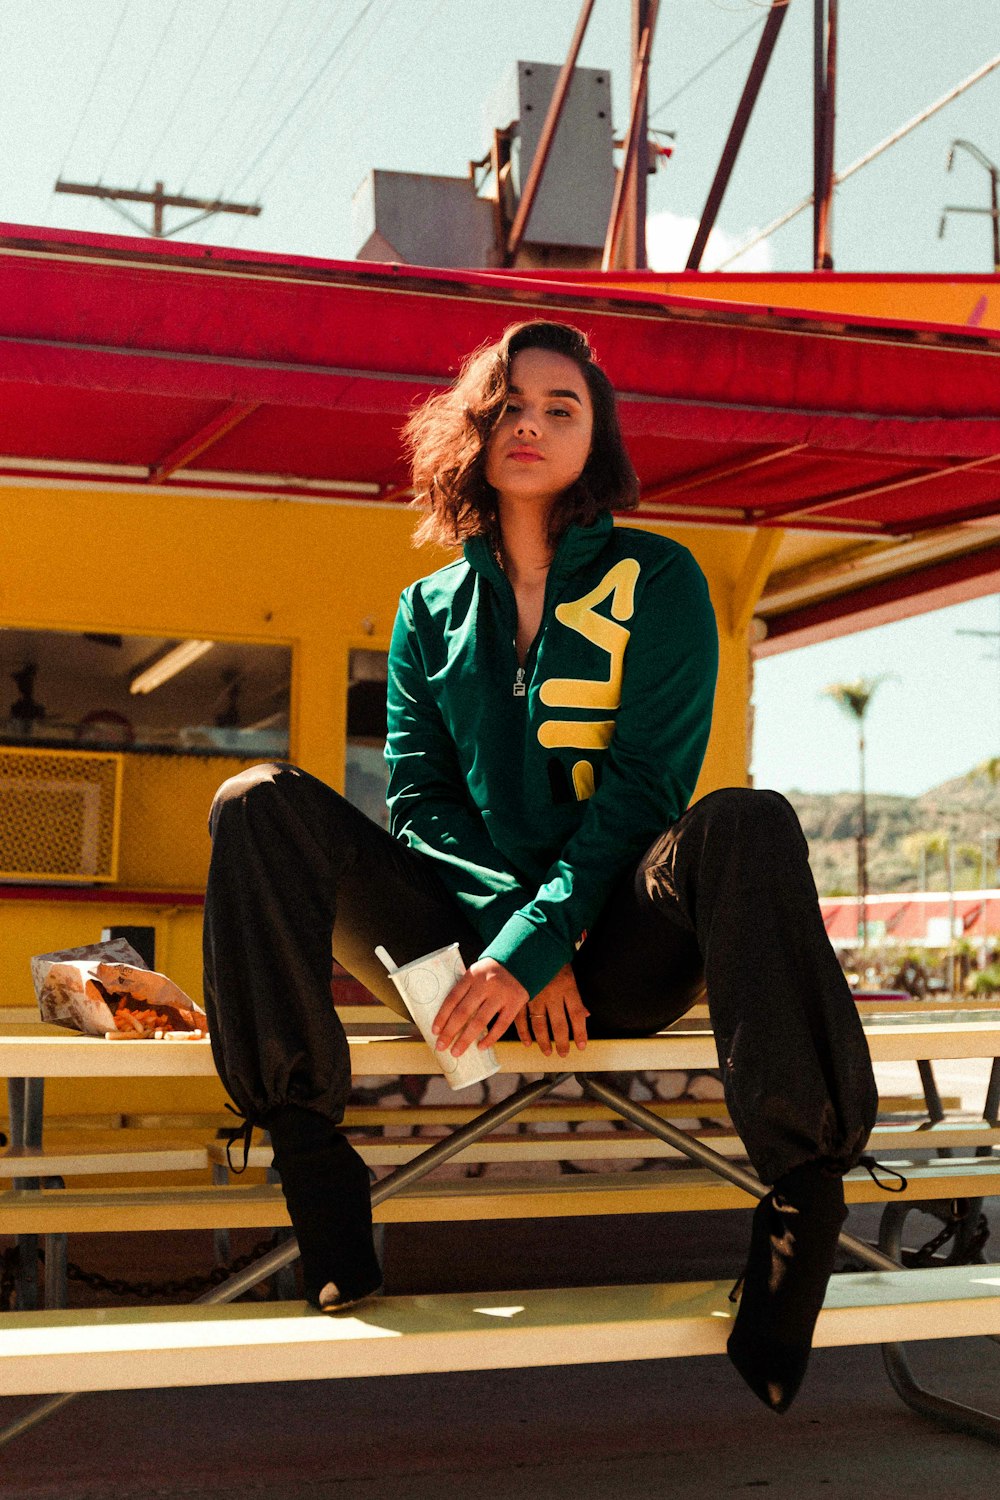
987, 981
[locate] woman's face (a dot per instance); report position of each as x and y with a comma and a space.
540, 445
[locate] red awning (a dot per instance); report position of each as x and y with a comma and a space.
906, 920
127, 361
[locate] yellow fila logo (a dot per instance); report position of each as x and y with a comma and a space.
575, 734
609, 636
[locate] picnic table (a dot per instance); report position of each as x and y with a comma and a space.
969, 1303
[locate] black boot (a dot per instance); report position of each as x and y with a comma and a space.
327, 1191
792, 1248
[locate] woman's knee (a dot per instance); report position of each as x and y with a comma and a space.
757, 811
250, 791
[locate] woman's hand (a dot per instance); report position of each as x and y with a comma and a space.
558, 1010
486, 999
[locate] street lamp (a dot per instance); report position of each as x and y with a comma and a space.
993, 210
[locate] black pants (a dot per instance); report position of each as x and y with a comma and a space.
724, 900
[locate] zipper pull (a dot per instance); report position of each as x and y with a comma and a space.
519, 686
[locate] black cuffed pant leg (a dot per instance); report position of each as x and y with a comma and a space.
727, 894
299, 874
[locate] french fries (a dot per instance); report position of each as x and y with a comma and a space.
156, 1036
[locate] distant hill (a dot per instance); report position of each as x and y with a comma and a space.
964, 809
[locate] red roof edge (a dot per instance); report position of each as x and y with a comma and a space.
576, 286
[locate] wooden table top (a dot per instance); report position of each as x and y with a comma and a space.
396, 1049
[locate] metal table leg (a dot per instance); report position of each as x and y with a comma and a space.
991, 1109
991, 1112
932, 1097
283, 1281
15, 1106
284, 1255
222, 1247
953, 1414
34, 1113
412, 1171
56, 1276
26, 1099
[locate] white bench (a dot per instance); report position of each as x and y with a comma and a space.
442, 1332
177, 1346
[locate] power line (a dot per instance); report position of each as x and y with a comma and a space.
93, 87
204, 51
863, 161
145, 79
409, 56
755, 26
304, 95
279, 21
294, 66
324, 100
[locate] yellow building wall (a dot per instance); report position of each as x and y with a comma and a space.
322, 579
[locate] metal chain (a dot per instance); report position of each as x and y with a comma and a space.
117, 1286
958, 1214
977, 1241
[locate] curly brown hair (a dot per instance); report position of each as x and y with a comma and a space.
446, 439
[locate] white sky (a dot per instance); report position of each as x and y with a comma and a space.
292, 102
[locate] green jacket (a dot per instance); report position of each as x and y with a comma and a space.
535, 789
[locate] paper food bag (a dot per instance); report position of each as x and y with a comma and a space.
106, 987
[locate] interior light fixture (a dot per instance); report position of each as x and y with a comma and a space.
168, 666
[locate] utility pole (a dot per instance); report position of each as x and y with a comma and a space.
993, 210
159, 199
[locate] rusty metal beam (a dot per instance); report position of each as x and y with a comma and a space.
632, 251
552, 118
824, 117
705, 515
637, 113
791, 511
738, 129
718, 472
196, 444
829, 125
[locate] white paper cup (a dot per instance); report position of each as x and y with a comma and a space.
423, 984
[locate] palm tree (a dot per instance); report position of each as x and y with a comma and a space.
855, 699
917, 847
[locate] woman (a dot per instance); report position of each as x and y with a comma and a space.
549, 698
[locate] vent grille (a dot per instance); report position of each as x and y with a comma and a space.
59, 815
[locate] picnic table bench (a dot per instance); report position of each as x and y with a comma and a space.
211, 1340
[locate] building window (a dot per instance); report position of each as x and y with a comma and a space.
366, 777
128, 692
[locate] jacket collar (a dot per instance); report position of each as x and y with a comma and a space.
577, 545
